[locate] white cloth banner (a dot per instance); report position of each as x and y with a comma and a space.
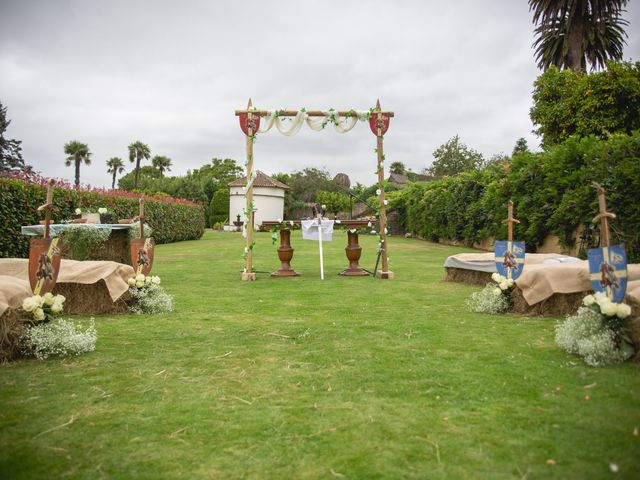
290, 126
310, 230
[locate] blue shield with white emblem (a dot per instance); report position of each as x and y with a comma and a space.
509, 258
608, 269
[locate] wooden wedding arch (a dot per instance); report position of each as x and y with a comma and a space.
250, 125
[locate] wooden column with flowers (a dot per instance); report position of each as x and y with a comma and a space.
249, 123
379, 123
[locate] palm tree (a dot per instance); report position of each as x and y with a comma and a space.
138, 151
397, 167
161, 163
115, 166
77, 153
572, 33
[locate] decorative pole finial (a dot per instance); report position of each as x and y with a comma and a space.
378, 104
249, 105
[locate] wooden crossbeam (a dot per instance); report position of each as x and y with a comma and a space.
311, 113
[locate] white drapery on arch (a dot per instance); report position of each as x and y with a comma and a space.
289, 126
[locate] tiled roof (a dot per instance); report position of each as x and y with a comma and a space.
262, 180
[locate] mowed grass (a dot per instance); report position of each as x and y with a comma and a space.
302, 378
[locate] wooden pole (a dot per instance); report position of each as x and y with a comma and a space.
47, 207
141, 217
510, 221
603, 217
248, 274
384, 271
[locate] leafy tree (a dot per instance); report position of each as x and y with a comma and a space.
454, 157
602, 103
334, 201
520, 147
10, 150
398, 167
138, 151
114, 166
572, 33
77, 153
161, 163
216, 175
219, 207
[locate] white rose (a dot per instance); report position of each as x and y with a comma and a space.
497, 291
600, 296
56, 307
369, 224
48, 298
29, 304
147, 280
495, 277
78, 211
156, 280
504, 285
139, 283
38, 314
623, 310
132, 281
378, 192
60, 298
39, 300
386, 202
324, 207
589, 300
102, 210
373, 232
510, 282
609, 309
140, 277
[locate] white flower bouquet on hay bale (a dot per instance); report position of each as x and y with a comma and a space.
147, 296
494, 297
598, 332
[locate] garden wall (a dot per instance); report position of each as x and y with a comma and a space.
553, 194
172, 220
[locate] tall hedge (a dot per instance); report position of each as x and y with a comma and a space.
552, 191
19, 200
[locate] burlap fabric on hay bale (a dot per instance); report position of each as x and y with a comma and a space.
90, 299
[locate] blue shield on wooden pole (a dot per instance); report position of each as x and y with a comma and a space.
509, 257
608, 269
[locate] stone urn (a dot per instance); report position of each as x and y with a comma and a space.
353, 251
285, 254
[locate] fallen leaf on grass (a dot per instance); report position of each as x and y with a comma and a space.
551, 461
636, 433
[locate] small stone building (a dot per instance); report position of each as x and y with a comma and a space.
268, 198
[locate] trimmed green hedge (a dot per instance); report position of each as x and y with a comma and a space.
171, 222
552, 191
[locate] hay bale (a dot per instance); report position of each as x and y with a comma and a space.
12, 326
90, 299
556, 305
463, 275
634, 324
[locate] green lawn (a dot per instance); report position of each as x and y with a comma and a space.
302, 378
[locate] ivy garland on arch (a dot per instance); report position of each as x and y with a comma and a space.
289, 122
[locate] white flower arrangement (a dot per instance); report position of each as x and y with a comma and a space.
59, 337
44, 307
148, 296
102, 210
494, 297
78, 211
598, 332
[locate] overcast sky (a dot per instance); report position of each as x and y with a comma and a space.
171, 74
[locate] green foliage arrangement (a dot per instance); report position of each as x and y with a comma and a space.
171, 222
59, 337
569, 103
552, 193
83, 239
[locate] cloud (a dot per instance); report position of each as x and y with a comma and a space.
171, 74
